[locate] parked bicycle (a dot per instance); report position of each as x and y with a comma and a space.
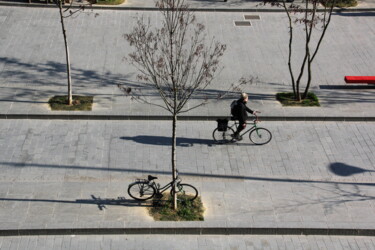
145, 189
225, 131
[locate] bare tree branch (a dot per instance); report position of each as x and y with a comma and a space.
309, 17
175, 59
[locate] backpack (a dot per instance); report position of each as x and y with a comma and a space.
234, 108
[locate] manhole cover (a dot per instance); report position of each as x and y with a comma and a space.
242, 23
252, 17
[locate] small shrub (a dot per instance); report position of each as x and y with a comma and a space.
162, 209
109, 2
344, 3
82, 103
287, 99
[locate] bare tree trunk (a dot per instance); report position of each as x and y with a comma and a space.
70, 97
174, 160
309, 77
309, 30
310, 60
305, 59
290, 50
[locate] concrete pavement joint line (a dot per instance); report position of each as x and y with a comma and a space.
191, 9
191, 231
181, 118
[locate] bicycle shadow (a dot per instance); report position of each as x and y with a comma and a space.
120, 201
238, 144
167, 141
101, 203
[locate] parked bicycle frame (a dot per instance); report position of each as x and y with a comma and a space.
144, 189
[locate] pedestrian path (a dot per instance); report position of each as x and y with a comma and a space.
199, 5
32, 72
71, 177
190, 242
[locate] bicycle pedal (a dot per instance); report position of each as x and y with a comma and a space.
237, 138
159, 195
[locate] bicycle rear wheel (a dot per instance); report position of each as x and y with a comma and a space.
141, 190
260, 136
223, 136
185, 192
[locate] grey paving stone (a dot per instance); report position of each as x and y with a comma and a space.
369, 242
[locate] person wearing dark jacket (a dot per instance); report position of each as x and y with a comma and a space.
241, 111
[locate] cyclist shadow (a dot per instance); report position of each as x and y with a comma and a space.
167, 141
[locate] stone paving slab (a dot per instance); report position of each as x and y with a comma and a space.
72, 176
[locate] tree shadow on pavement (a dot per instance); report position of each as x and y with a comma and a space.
44, 74
342, 169
35, 80
345, 97
354, 14
167, 141
335, 197
182, 173
325, 200
100, 202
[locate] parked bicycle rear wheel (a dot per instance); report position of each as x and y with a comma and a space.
260, 136
186, 192
223, 136
141, 190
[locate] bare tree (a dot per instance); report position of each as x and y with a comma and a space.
65, 12
176, 59
312, 16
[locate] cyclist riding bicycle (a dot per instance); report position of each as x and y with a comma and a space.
239, 112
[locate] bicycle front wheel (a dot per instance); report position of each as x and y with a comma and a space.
141, 191
223, 136
185, 192
260, 136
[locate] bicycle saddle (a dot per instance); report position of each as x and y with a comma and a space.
150, 178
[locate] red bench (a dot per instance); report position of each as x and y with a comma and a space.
360, 79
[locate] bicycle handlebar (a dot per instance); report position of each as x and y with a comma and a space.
256, 116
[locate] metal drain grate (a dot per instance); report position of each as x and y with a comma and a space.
252, 17
242, 23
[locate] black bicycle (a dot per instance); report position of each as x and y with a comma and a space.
224, 132
145, 189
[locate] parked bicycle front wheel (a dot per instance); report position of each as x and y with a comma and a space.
185, 192
223, 136
141, 191
260, 136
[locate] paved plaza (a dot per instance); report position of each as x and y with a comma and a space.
117, 242
32, 65
65, 174
68, 174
